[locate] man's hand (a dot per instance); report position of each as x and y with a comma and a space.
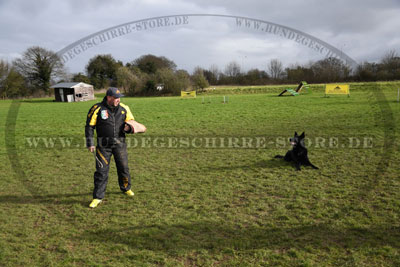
91, 149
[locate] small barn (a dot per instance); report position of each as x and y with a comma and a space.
73, 92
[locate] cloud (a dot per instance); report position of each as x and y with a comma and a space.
364, 29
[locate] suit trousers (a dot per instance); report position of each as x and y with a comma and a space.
103, 157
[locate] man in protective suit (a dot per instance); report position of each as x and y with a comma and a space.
112, 120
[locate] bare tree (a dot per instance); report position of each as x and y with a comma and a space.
390, 66
232, 69
366, 71
4, 69
275, 69
39, 66
389, 57
215, 71
330, 70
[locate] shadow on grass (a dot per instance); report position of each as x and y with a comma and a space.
38, 101
221, 236
273, 163
54, 199
268, 164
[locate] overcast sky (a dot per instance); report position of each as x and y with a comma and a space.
363, 29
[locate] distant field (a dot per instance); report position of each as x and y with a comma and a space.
232, 89
207, 189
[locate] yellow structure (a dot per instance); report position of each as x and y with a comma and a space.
337, 89
188, 94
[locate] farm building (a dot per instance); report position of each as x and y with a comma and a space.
73, 92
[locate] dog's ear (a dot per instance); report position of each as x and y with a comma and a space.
302, 142
302, 135
295, 134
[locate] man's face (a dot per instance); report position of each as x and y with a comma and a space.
113, 101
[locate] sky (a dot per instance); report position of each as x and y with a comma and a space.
365, 30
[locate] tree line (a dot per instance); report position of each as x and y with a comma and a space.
38, 68
146, 75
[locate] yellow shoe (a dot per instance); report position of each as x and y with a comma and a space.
129, 193
95, 202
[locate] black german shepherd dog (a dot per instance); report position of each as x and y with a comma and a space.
298, 154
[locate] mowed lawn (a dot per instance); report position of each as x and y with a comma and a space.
199, 203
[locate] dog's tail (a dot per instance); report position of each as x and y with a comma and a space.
279, 157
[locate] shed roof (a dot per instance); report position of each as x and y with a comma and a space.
70, 85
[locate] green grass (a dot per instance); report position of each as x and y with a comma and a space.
208, 206
257, 89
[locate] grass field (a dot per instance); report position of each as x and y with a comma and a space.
197, 203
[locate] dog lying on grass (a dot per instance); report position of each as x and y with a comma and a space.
298, 154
